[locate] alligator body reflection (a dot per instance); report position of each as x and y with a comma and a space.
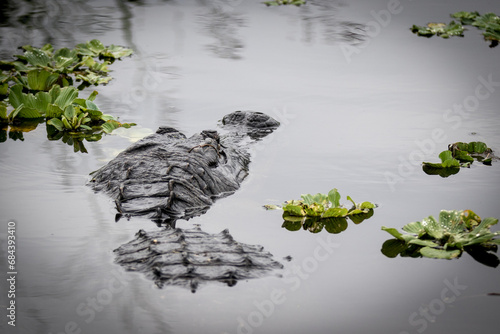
167, 176
188, 257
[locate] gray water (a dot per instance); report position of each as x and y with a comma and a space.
360, 109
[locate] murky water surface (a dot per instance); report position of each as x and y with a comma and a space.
360, 110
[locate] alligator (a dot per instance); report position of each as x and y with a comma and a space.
188, 257
167, 176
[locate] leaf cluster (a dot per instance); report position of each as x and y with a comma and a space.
313, 212
285, 2
324, 206
446, 238
459, 155
440, 29
39, 84
62, 108
62, 66
489, 23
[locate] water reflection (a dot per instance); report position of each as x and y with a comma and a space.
333, 225
482, 254
190, 257
222, 24
16, 131
323, 17
53, 21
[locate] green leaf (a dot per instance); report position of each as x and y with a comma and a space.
392, 247
445, 155
440, 253
27, 112
105, 117
477, 147
92, 96
463, 156
470, 219
41, 80
292, 210
4, 89
415, 227
425, 243
37, 57
320, 199
54, 93
432, 169
97, 115
66, 123
66, 97
334, 197
486, 21
452, 163
42, 100
350, 199
128, 125
57, 123
292, 225
3, 110
307, 198
450, 221
69, 112
115, 52
432, 227
486, 223
314, 210
392, 231
335, 212
367, 205
86, 127
358, 218
335, 224
465, 17
16, 96
53, 111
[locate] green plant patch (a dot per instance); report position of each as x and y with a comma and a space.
39, 69
446, 238
459, 155
38, 85
315, 212
489, 23
285, 2
439, 29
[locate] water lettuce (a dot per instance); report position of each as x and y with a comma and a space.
446, 238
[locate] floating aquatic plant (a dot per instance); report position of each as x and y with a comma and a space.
489, 23
63, 67
459, 155
313, 212
39, 85
440, 29
446, 238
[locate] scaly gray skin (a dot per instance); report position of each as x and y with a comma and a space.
167, 176
188, 257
